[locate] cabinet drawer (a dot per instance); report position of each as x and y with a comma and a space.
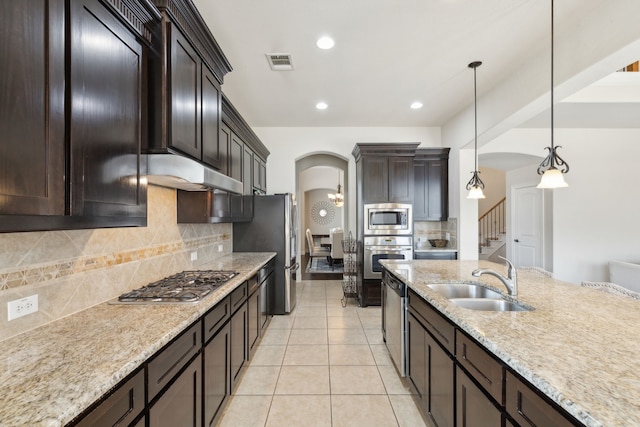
253, 285
438, 326
238, 297
480, 365
267, 269
528, 408
169, 361
216, 317
121, 407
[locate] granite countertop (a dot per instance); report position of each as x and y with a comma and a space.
52, 373
579, 346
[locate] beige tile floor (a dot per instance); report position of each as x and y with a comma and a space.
322, 365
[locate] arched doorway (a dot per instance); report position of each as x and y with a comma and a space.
318, 174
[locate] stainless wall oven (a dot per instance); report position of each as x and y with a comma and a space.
377, 248
388, 219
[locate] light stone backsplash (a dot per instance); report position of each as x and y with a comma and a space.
425, 230
72, 270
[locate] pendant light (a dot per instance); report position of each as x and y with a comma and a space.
338, 197
475, 184
552, 177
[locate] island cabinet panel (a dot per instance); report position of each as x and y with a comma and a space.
431, 365
528, 408
472, 406
481, 366
181, 403
431, 184
121, 407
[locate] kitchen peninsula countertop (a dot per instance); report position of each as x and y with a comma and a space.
579, 346
53, 373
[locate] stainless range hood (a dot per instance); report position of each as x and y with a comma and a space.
175, 171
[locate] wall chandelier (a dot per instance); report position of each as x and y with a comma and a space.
552, 177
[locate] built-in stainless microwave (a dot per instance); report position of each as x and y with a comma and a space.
388, 218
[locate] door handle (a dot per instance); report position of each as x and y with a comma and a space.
516, 240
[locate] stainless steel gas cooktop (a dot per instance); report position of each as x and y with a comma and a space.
184, 287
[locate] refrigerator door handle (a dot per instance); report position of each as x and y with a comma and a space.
293, 267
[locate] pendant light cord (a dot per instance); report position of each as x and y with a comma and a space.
552, 115
475, 116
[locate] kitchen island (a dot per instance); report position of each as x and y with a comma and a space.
578, 347
51, 374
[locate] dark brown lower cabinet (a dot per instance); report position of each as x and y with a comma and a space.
431, 370
239, 348
181, 403
483, 391
528, 408
370, 293
473, 408
253, 306
417, 356
217, 367
121, 407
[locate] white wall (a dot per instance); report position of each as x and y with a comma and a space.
494, 188
595, 219
288, 144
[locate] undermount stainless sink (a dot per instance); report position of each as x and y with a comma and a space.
489, 304
464, 290
476, 296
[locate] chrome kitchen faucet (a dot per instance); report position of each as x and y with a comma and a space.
510, 281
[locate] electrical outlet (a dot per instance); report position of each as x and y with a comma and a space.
447, 236
22, 307
220, 247
194, 256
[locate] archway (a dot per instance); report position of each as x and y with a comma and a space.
319, 173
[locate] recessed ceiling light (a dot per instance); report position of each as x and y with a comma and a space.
321, 105
416, 105
325, 42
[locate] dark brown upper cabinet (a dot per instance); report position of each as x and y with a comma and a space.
384, 172
247, 154
186, 76
74, 117
431, 184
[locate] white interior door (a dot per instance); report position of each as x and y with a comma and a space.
527, 220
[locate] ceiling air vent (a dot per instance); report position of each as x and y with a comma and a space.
280, 61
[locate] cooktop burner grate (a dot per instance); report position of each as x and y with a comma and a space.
184, 287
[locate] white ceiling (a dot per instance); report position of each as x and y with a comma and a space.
388, 53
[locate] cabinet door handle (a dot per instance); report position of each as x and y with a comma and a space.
516, 240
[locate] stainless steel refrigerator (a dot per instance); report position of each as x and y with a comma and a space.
273, 230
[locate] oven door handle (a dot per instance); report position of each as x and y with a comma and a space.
386, 249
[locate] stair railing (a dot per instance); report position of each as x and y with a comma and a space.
492, 223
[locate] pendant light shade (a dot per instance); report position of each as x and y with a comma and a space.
475, 184
552, 177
